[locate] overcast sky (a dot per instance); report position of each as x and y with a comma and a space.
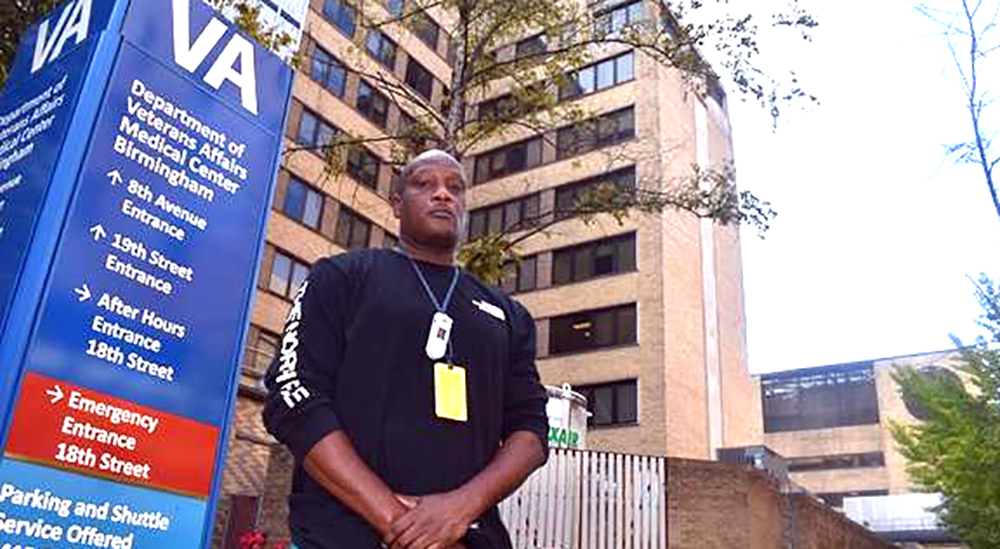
876, 231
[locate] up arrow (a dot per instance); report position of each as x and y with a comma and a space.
116, 177
98, 232
83, 292
56, 393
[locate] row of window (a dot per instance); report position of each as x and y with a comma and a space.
607, 23
835, 396
602, 131
316, 133
330, 73
344, 17
599, 76
839, 461
525, 212
594, 329
305, 205
521, 213
592, 78
615, 403
604, 257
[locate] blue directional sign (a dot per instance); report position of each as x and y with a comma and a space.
148, 285
33, 124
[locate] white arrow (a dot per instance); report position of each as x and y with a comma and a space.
98, 232
56, 393
116, 177
84, 293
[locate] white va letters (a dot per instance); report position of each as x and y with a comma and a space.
73, 21
192, 55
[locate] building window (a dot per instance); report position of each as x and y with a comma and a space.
287, 274
836, 499
329, 72
530, 46
425, 29
520, 276
412, 133
510, 106
611, 403
314, 132
261, 350
818, 398
498, 108
611, 22
419, 78
390, 240
569, 196
587, 330
594, 259
598, 76
509, 159
515, 215
342, 15
352, 229
373, 104
363, 166
840, 461
602, 131
396, 7
303, 203
381, 48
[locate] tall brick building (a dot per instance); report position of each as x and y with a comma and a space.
645, 317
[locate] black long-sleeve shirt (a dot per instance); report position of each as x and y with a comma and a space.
352, 358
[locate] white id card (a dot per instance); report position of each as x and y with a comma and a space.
437, 339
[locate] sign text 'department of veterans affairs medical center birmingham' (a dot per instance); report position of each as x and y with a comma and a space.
138, 147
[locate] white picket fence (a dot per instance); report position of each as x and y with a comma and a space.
591, 500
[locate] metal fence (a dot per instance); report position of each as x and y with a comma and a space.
591, 500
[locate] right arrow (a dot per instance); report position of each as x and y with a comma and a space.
116, 177
56, 393
83, 292
98, 232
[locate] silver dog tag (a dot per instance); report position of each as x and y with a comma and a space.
437, 339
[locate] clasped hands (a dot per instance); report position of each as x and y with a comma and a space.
437, 521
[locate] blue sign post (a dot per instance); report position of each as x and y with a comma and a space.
138, 193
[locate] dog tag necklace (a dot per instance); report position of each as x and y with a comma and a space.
439, 337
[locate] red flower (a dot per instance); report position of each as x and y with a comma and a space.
253, 540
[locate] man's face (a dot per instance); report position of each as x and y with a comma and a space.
431, 207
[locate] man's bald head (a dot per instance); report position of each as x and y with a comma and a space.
433, 156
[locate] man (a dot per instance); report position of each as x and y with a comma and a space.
406, 388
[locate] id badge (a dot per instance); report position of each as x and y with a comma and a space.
450, 398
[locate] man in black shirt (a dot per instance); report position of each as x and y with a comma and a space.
406, 388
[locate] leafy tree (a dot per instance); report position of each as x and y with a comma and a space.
571, 34
15, 17
955, 451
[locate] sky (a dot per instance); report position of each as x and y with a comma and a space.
876, 230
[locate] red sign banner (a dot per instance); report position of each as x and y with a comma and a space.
69, 427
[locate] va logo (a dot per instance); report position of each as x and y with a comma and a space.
190, 55
72, 22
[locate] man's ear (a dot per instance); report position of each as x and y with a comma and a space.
396, 201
